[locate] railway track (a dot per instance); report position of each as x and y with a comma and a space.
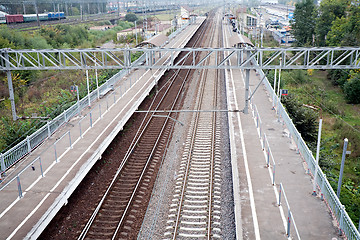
195, 209
120, 212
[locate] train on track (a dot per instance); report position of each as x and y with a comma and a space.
21, 18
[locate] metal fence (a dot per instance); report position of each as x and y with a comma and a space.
271, 165
54, 153
345, 224
20, 150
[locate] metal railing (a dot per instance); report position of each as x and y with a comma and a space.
23, 148
290, 218
270, 163
345, 224
55, 152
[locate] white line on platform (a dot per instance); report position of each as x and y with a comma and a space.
248, 177
68, 171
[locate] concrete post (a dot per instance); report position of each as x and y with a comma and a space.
48, 128
88, 87
274, 88
58, 9
37, 14
278, 89
65, 118
342, 167
2, 163
81, 11
11, 91
97, 84
78, 98
247, 80
136, 39
28, 143
317, 157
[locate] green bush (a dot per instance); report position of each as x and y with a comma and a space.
352, 89
131, 17
338, 77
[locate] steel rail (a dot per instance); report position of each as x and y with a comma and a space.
136, 139
192, 143
127, 155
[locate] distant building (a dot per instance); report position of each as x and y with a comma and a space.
185, 12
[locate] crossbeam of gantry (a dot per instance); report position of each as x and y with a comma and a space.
121, 58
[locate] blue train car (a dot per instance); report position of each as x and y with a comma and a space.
56, 15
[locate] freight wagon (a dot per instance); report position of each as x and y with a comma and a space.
17, 18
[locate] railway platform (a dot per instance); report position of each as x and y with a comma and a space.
257, 182
45, 179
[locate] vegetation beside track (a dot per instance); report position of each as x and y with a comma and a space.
47, 93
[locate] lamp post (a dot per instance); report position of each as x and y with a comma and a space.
318, 145
274, 89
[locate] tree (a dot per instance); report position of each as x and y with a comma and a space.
304, 119
303, 25
131, 17
329, 10
345, 31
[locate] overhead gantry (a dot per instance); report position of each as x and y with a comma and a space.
246, 58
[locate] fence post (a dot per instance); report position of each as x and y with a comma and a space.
55, 152
274, 174
268, 157
70, 140
322, 187
42, 173
264, 142
65, 118
19, 187
289, 222
342, 209
100, 110
28, 143
280, 194
48, 128
2, 164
